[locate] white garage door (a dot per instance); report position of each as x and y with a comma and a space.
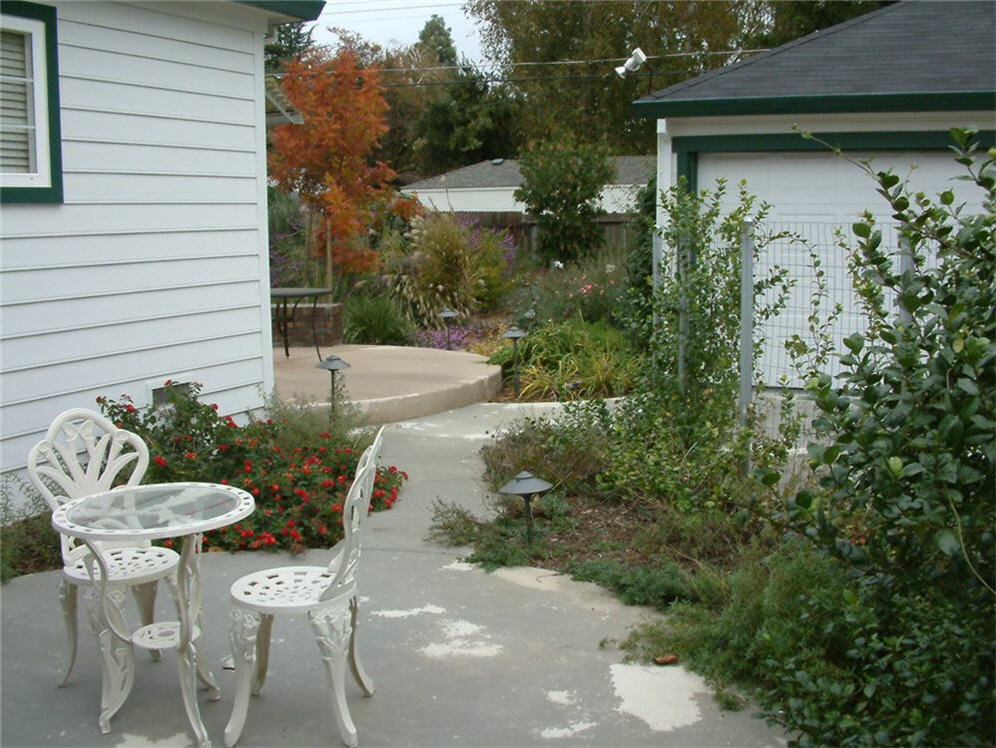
817, 195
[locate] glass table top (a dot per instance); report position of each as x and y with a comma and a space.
153, 511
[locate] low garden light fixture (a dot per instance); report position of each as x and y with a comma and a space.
448, 315
515, 334
526, 485
332, 363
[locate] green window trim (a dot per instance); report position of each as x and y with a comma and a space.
687, 148
52, 191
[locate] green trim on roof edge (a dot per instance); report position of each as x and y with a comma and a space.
688, 148
838, 103
306, 10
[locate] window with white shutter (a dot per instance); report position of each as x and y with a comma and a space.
30, 158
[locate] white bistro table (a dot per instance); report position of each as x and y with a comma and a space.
150, 512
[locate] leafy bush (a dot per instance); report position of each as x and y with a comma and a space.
593, 289
27, 541
658, 588
299, 490
562, 180
570, 360
569, 451
375, 320
907, 465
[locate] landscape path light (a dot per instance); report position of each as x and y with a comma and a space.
526, 485
448, 315
515, 335
332, 363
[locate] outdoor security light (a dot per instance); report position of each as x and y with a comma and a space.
632, 64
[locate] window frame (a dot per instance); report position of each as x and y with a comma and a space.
45, 184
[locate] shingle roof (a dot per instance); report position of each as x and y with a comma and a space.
506, 173
915, 54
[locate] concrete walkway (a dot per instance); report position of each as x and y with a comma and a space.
460, 657
390, 383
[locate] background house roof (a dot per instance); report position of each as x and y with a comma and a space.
506, 173
908, 56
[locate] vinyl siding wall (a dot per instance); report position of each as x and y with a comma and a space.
155, 267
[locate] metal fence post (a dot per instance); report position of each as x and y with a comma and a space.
746, 318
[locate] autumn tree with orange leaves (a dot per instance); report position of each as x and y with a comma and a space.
326, 160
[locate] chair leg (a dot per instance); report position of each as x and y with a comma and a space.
68, 595
362, 679
242, 635
332, 632
145, 599
262, 652
187, 663
118, 655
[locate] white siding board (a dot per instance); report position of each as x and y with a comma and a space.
102, 154
155, 266
160, 20
142, 45
86, 218
43, 349
37, 253
72, 282
160, 187
108, 95
139, 129
129, 364
161, 73
105, 311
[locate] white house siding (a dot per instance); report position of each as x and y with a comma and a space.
155, 266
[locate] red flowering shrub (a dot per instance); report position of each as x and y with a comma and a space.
299, 492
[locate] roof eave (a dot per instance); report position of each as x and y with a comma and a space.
832, 103
292, 10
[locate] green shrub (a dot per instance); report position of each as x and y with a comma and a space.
562, 180
27, 541
375, 320
592, 289
658, 588
907, 464
569, 452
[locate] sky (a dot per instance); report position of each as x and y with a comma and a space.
389, 22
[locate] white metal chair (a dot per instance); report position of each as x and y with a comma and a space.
327, 594
84, 453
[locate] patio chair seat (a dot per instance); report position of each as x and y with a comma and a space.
127, 565
288, 589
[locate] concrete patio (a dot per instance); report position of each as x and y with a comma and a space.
460, 657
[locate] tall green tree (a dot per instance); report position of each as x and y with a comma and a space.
562, 180
436, 36
292, 39
471, 122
